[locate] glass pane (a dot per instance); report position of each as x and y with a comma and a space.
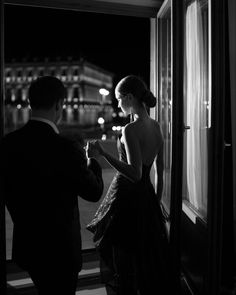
165, 98
196, 107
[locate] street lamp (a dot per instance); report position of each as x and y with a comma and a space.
101, 120
104, 92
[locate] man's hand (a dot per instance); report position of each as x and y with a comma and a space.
93, 149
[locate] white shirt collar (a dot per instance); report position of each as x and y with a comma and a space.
53, 125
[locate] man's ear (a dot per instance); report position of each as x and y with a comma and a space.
59, 104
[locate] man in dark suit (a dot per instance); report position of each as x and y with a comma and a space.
43, 174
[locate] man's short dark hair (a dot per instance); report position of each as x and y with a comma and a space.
45, 91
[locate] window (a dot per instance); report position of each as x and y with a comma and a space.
165, 96
8, 96
76, 93
8, 76
63, 74
196, 107
30, 75
76, 72
41, 72
19, 95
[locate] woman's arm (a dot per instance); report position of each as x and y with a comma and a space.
159, 166
132, 169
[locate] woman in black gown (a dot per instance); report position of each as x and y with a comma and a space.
128, 226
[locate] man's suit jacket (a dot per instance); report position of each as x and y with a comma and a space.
43, 174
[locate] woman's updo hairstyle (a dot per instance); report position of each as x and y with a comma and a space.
137, 87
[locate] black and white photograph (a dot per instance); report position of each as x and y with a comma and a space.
118, 147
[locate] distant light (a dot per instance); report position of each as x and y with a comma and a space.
101, 120
104, 137
116, 128
114, 115
75, 106
64, 106
76, 99
103, 91
18, 106
121, 114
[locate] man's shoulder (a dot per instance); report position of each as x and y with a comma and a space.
60, 138
70, 145
11, 136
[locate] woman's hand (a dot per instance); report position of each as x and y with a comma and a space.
94, 149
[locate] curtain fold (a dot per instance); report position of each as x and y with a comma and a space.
197, 108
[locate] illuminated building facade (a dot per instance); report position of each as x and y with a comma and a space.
84, 101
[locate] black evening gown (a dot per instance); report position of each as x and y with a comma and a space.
130, 217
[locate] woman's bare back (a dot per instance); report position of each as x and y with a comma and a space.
150, 139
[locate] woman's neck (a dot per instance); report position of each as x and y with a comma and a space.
140, 114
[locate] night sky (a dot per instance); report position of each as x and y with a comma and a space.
119, 44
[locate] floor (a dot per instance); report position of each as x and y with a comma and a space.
18, 281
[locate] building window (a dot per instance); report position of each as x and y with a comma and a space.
64, 115
8, 96
66, 93
18, 95
30, 75
76, 114
76, 93
8, 76
76, 72
63, 74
